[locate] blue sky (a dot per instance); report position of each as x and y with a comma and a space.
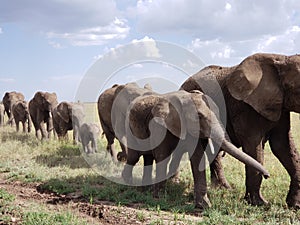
50, 45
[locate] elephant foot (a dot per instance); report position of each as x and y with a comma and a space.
293, 198
203, 203
255, 199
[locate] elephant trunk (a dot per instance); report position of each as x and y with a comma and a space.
220, 137
243, 157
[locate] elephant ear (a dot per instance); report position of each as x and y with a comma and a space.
256, 82
169, 114
64, 111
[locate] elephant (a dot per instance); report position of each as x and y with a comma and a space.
117, 98
9, 99
2, 110
88, 133
259, 94
20, 113
62, 120
177, 122
40, 109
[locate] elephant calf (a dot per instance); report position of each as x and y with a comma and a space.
175, 123
20, 113
88, 133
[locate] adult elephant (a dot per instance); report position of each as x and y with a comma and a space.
259, 94
20, 113
177, 122
67, 116
9, 99
40, 109
112, 107
2, 109
62, 119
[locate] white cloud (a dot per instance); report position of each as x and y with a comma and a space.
287, 42
233, 52
82, 22
55, 45
117, 29
7, 80
148, 45
224, 19
1, 31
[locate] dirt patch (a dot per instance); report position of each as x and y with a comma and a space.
98, 212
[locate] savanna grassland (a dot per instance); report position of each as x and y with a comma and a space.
52, 182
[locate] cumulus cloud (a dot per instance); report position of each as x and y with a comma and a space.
225, 19
95, 35
82, 22
286, 43
232, 52
1, 30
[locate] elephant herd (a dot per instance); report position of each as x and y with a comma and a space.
48, 116
218, 108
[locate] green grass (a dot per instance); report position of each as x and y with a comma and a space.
60, 168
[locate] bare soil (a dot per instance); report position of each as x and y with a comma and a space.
98, 212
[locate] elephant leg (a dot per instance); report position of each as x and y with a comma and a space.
283, 147
111, 147
174, 164
254, 148
160, 177
43, 131
200, 184
147, 170
94, 145
132, 159
217, 175
24, 127
17, 126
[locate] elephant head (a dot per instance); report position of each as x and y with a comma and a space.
183, 113
64, 111
46, 101
268, 83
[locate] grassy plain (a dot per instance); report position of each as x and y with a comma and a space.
59, 172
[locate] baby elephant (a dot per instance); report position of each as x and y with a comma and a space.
88, 136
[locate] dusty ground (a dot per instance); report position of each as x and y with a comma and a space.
28, 196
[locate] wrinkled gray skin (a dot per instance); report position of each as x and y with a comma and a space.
259, 94
120, 96
9, 99
20, 113
2, 109
40, 109
62, 120
89, 133
186, 120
